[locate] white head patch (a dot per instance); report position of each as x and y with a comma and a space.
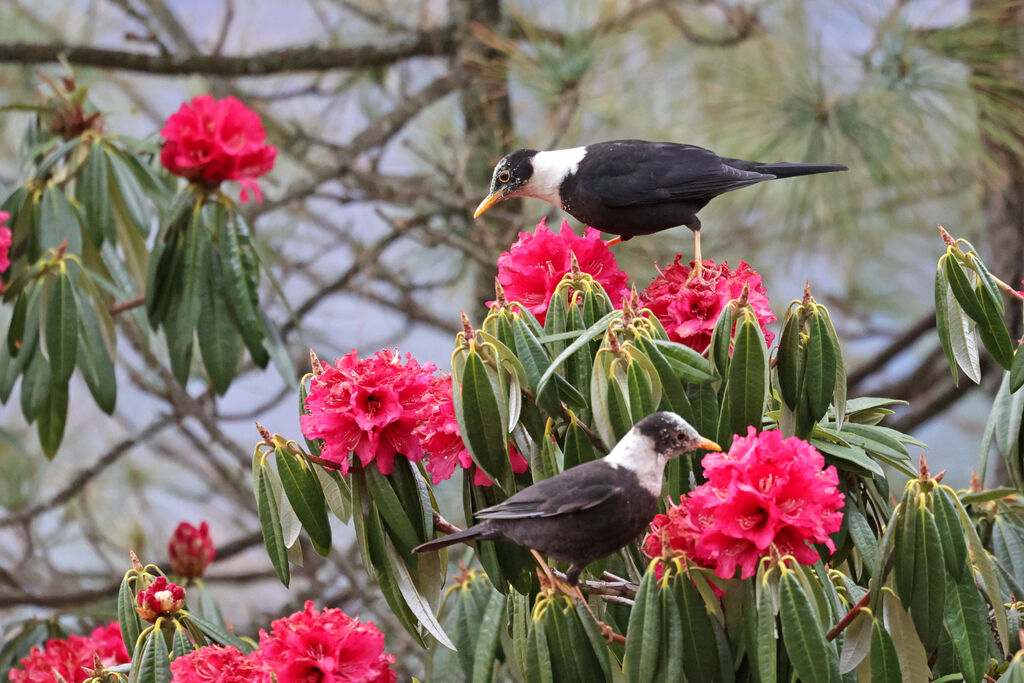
549, 170
636, 453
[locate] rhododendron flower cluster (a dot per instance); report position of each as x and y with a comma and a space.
5, 242
209, 141
161, 598
688, 309
216, 664
191, 550
531, 269
70, 659
371, 406
767, 495
313, 646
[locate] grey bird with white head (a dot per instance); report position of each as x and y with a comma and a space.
591, 510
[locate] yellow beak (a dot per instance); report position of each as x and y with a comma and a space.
707, 444
489, 201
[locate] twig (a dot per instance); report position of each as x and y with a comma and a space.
128, 305
850, 616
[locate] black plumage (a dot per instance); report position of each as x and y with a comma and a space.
589, 511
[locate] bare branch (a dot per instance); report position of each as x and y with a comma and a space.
431, 43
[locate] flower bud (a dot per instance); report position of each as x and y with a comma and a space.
160, 599
191, 550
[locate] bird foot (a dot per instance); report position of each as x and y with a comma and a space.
695, 272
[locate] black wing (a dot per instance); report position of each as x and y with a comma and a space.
635, 172
578, 488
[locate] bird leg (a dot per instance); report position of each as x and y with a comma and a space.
612, 242
698, 262
552, 581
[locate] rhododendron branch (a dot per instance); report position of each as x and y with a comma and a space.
849, 617
427, 43
123, 306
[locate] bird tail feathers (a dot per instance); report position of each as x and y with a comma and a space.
786, 169
473, 533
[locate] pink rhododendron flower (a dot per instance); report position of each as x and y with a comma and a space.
326, 646
767, 495
70, 659
161, 598
443, 442
533, 267
191, 550
372, 406
209, 141
216, 664
5, 242
689, 310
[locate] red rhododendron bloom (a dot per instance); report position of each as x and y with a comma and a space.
209, 141
191, 550
443, 442
216, 664
70, 660
161, 598
372, 406
767, 495
689, 310
326, 646
533, 267
5, 242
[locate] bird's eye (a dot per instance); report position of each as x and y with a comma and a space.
504, 176
680, 436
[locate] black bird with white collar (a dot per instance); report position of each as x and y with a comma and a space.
633, 187
591, 510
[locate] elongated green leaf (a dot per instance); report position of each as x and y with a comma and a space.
698, 635
643, 636
1017, 370
929, 589
398, 520
219, 634
748, 376
965, 616
803, 635
153, 663
856, 642
820, 372
673, 395
640, 392
962, 339
943, 320
181, 645
35, 386
687, 364
767, 640
483, 428
598, 645
16, 329
538, 656
584, 338
58, 221
789, 361
306, 498
963, 291
913, 660
239, 296
92, 190
62, 328
992, 331
989, 582
384, 568
487, 632
127, 193
269, 513
954, 546
92, 357
131, 623
885, 665
52, 419
219, 341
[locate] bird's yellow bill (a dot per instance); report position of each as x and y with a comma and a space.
489, 201
708, 445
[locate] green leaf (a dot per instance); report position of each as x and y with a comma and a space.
483, 428
58, 221
128, 195
219, 341
640, 392
942, 320
994, 335
534, 360
181, 645
929, 587
913, 660
966, 617
584, 338
487, 632
697, 641
1017, 370
856, 642
62, 328
962, 290
131, 623
989, 582
721, 340
789, 361
962, 339
538, 656
35, 386
93, 359
954, 546
52, 418
337, 492
384, 568
180, 339
820, 369
151, 662
885, 665
194, 274
218, 634
269, 512
988, 283
686, 364
92, 191
307, 499
802, 634
643, 635
238, 294
748, 376
673, 396
397, 519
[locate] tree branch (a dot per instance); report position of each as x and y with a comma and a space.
432, 43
